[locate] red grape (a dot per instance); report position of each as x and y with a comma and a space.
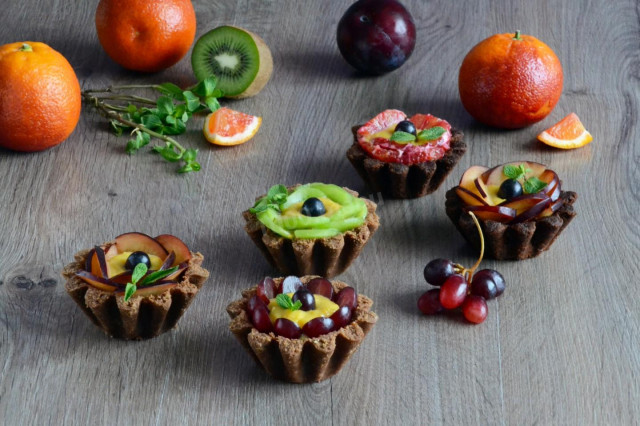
474, 309
287, 328
453, 291
321, 286
291, 284
266, 289
260, 319
341, 317
429, 302
306, 298
487, 283
254, 303
437, 271
318, 326
347, 297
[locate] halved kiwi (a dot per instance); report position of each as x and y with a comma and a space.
239, 59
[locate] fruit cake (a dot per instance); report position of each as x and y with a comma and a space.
404, 157
135, 287
303, 329
520, 205
312, 229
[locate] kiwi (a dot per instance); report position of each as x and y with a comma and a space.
240, 60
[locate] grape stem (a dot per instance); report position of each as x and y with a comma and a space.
470, 271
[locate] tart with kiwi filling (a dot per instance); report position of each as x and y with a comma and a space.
404, 157
312, 229
135, 287
520, 205
303, 329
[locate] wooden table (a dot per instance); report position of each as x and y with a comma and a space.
561, 346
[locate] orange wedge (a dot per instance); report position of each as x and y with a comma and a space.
228, 127
568, 133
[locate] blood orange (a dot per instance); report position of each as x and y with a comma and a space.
568, 133
228, 127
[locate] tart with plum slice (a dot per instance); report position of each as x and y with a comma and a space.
520, 205
135, 287
301, 330
404, 157
312, 229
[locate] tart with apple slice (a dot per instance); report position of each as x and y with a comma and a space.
405, 157
135, 287
301, 330
311, 229
520, 205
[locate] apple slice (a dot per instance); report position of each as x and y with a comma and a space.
469, 176
136, 241
174, 244
525, 202
533, 210
496, 213
469, 198
98, 282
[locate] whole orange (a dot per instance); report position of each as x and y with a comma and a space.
39, 97
510, 80
146, 35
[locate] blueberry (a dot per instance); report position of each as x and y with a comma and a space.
509, 189
407, 127
135, 258
313, 207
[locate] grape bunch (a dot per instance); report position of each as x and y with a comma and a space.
458, 286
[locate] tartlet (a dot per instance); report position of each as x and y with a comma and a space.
321, 249
518, 227
153, 308
405, 169
304, 359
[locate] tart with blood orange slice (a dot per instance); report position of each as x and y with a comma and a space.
568, 133
135, 287
227, 127
405, 157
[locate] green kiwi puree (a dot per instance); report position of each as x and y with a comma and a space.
283, 214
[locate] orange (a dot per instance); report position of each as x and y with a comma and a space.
568, 133
510, 80
228, 127
146, 35
39, 97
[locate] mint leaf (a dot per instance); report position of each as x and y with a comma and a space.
157, 275
277, 190
534, 185
170, 90
212, 103
192, 101
128, 291
431, 134
150, 121
400, 137
165, 105
512, 172
285, 302
259, 208
134, 145
138, 272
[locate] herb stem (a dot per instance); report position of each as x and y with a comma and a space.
112, 113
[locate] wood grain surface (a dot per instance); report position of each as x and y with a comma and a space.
561, 346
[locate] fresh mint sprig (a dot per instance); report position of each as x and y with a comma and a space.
426, 135
276, 196
161, 119
285, 302
531, 185
138, 278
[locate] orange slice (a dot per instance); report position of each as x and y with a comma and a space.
568, 133
228, 127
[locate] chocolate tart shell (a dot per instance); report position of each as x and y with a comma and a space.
301, 360
326, 257
395, 180
516, 241
141, 317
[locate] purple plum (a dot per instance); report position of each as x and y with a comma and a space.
376, 36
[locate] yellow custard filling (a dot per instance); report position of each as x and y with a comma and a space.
384, 134
115, 265
324, 308
295, 209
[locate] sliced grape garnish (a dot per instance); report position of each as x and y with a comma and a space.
287, 328
266, 289
321, 286
260, 318
347, 297
318, 326
341, 317
306, 298
254, 302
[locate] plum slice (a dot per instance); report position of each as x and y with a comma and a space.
98, 282
174, 244
136, 241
